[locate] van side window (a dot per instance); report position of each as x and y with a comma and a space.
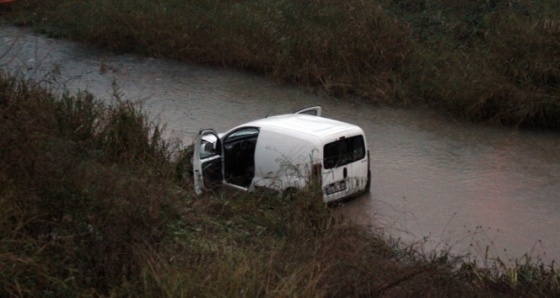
343, 152
239, 156
245, 132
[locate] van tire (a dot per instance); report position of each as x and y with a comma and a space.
289, 193
368, 183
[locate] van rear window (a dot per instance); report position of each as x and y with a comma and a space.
343, 152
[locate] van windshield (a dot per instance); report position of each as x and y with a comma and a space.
343, 152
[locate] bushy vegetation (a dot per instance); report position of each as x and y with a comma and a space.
93, 202
495, 60
485, 60
84, 191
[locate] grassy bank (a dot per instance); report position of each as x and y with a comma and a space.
93, 202
481, 60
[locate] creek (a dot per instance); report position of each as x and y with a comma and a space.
442, 184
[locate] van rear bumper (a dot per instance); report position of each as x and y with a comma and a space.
335, 201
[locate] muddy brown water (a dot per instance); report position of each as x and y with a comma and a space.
447, 185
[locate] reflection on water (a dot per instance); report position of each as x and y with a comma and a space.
451, 185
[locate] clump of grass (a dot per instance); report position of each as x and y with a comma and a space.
486, 60
524, 277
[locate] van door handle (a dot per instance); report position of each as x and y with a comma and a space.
344, 173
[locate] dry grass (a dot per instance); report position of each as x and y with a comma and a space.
486, 60
79, 199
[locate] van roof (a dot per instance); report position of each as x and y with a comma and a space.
307, 124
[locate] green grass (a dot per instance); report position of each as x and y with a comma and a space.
93, 202
481, 60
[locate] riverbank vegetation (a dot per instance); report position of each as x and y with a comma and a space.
94, 202
483, 60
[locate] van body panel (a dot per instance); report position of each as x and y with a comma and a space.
282, 153
284, 161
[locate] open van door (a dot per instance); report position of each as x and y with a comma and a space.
207, 160
313, 111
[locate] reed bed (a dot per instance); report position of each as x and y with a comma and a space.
480, 60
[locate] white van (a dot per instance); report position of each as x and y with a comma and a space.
283, 153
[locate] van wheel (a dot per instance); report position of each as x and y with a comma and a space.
289, 194
368, 184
